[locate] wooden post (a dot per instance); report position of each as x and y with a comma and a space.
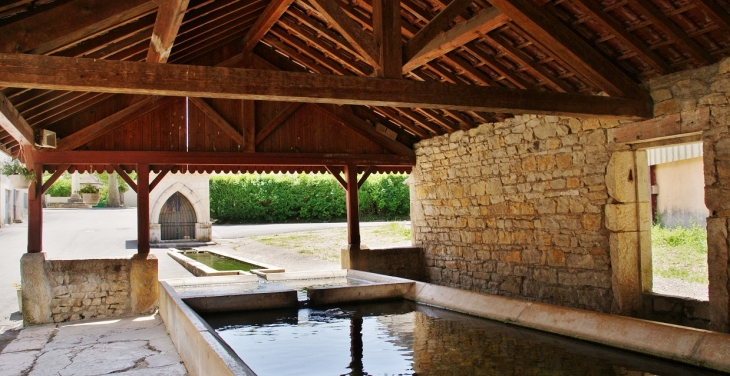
353, 212
35, 212
143, 209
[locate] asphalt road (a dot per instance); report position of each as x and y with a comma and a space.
103, 233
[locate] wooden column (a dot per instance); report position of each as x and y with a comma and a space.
143, 209
353, 212
35, 212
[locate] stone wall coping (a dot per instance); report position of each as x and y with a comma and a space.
306, 275
688, 345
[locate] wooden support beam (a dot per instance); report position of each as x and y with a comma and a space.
365, 176
123, 175
35, 212
349, 29
72, 22
111, 123
336, 171
484, 22
387, 35
249, 126
59, 171
143, 209
361, 126
220, 158
266, 20
14, 124
572, 49
167, 24
60, 73
222, 123
276, 121
665, 127
159, 177
353, 210
433, 28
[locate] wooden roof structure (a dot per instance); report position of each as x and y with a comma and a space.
295, 85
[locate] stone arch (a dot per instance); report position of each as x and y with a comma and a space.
185, 191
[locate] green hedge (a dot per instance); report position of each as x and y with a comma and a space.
276, 198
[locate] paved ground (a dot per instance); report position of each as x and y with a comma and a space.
240, 231
127, 346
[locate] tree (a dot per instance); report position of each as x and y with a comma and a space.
113, 195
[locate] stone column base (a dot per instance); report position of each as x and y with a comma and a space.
36, 289
143, 284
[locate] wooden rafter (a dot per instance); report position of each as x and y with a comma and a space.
123, 174
167, 24
336, 171
214, 82
484, 22
361, 126
111, 123
271, 14
59, 171
362, 42
433, 28
14, 124
277, 121
576, 52
52, 29
218, 120
163, 172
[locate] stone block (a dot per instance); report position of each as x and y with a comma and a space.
621, 177
143, 284
36, 289
625, 273
622, 217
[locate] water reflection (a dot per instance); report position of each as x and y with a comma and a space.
403, 338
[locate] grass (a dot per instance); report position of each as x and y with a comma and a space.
327, 244
680, 253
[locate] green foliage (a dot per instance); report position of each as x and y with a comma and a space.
61, 188
680, 253
693, 238
88, 188
279, 198
14, 167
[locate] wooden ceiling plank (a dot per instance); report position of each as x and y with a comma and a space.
419, 119
614, 27
315, 25
496, 66
167, 24
433, 28
211, 40
13, 123
222, 123
271, 14
277, 121
70, 110
663, 22
107, 76
576, 52
719, 14
387, 36
403, 122
111, 123
484, 22
296, 48
525, 60
362, 127
53, 29
348, 28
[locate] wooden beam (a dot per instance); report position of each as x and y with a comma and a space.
266, 20
126, 177
276, 121
335, 171
159, 177
434, 28
362, 127
571, 48
349, 29
484, 22
69, 23
35, 212
111, 123
353, 209
143, 209
365, 176
387, 35
220, 158
665, 127
59, 171
14, 123
222, 124
61, 73
167, 24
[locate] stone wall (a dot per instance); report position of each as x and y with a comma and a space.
69, 290
403, 262
676, 310
516, 209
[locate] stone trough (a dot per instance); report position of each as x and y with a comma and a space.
199, 269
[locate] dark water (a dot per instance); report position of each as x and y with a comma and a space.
404, 338
219, 262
